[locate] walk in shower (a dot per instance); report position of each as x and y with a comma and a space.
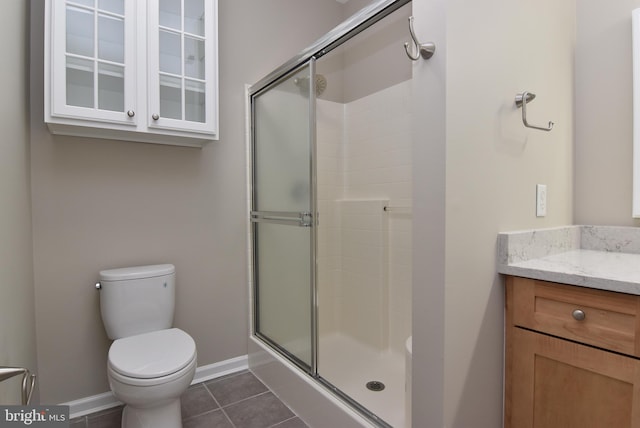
330, 145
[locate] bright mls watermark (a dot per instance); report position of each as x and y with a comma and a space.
34, 416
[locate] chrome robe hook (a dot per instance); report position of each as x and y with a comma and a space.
521, 101
425, 50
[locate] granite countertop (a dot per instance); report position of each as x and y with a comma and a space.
602, 257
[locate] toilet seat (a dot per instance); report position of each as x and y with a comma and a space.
151, 356
187, 371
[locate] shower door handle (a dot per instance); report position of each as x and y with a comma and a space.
302, 219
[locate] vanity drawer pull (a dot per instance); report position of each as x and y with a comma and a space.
578, 315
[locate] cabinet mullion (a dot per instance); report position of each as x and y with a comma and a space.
182, 63
96, 31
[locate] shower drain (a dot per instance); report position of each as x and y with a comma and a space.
375, 385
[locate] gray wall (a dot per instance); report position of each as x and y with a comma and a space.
17, 322
604, 113
493, 166
483, 168
100, 204
429, 213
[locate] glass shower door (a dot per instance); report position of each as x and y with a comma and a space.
283, 203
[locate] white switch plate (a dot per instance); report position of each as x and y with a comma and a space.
541, 200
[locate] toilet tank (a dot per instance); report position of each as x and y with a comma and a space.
137, 300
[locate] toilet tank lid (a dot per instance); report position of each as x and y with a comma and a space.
136, 272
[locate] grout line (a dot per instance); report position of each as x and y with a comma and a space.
201, 385
228, 418
200, 414
212, 396
247, 398
219, 406
286, 420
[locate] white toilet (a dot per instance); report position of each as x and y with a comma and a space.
150, 364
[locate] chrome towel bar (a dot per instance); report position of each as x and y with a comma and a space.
302, 219
28, 381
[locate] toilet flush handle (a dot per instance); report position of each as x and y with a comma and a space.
98, 286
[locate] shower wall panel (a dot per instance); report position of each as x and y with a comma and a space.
330, 184
364, 307
364, 154
377, 165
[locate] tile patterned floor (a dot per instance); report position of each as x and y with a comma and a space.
238, 400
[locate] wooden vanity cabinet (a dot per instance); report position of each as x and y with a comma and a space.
572, 356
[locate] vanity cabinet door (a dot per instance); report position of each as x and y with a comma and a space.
555, 383
93, 60
182, 79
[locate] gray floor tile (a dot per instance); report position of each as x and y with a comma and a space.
261, 411
80, 422
214, 419
110, 418
235, 388
196, 401
246, 402
239, 372
292, 423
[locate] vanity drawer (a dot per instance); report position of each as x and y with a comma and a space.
604, 319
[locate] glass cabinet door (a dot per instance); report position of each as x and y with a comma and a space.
94, 68
183, 65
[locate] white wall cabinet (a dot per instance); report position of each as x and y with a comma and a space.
136, 70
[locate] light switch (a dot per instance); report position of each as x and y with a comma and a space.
541, 200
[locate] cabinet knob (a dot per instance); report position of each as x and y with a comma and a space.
155, 116
578, 315
131, 113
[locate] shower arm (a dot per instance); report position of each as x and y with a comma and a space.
28, 381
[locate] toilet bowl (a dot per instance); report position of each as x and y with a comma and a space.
149, 372
150, 365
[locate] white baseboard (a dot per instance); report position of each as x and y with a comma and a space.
106, 400
92, 404
220, 369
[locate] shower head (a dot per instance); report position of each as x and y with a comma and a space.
303, 84
321, 84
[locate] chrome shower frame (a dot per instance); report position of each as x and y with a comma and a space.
353, 26
359, 22
305, 219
